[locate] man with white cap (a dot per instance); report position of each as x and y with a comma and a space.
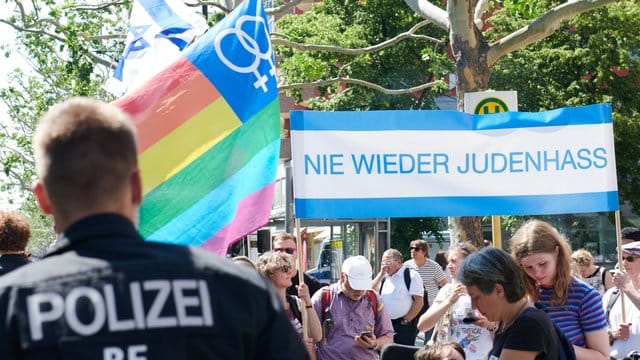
624, 336
354, 320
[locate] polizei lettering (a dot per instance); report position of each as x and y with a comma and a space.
174, 303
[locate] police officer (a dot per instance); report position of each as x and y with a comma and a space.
105, 293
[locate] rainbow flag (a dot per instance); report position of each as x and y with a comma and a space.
209, 136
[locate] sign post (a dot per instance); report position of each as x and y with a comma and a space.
491, 102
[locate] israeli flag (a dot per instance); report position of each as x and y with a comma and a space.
158, 31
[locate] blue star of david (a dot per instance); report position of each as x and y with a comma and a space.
138, 42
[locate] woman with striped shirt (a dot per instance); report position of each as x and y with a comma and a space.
573, 305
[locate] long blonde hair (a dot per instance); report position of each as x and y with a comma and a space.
537, 236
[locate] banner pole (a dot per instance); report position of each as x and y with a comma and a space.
298, 260
619, 245
496, 231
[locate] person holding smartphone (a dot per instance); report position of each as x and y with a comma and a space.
452, 309
354, 318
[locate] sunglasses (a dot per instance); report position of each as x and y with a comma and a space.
629, 258
289, 251
285, 268
415, 248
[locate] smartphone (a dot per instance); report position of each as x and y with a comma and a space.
368, 334
469, 320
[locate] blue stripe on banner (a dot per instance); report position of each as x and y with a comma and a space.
446, 119
457, 206
189, 227
237, 57
163, 15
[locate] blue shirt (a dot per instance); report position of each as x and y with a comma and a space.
582, 313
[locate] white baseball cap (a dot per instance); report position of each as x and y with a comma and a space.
632, 248
358, 271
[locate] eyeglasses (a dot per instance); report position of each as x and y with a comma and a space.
629, 258
289, 251
414, 248
285, 268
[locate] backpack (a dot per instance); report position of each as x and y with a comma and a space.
326, 298
612, 300
407, 279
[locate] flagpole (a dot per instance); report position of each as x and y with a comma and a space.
619, 244
298, 260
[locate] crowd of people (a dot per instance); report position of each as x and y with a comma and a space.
103, 292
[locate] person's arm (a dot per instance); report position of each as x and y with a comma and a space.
509, 354
416, 306
429, 319
382, 341
622, 332
311, 349
375, 284
596, 346
314, 327
373, 343
416, 290
623, 282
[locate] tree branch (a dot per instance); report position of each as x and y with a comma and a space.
369, 49
430, 12
224, 9
364, 83
481, 6
35, 29
90, 7
542, 27
31, 30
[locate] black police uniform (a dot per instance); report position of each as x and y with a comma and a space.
311, 282
105, 293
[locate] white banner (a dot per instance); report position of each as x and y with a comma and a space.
439, 163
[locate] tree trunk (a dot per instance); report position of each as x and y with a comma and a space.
469, 49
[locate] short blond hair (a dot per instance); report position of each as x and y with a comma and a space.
582, 257
85, 152
269, 262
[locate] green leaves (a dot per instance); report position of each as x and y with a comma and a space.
355, 25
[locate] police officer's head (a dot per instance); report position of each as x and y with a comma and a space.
86, 162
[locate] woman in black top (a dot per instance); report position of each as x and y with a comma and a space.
494, 282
